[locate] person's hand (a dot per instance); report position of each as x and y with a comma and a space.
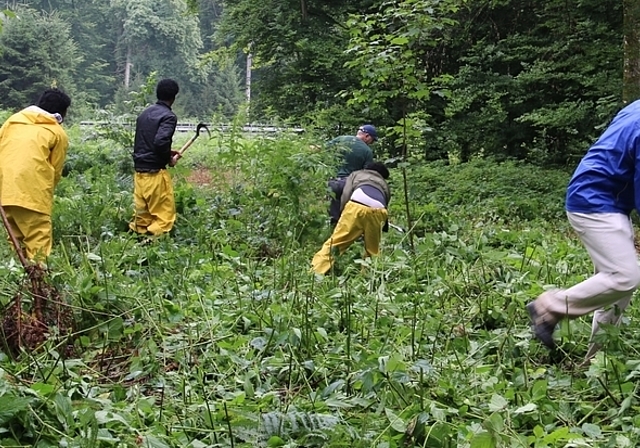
175, 156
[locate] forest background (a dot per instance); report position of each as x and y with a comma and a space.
529, 80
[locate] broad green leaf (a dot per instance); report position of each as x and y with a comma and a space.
248, 386
64, 410
275, 441
539, 390
105, 435
495, 423
529, 407
497, 403
396, 422
592, 430
538, 431
623, 442
560, 434
483, 440
104, 417
153, 442
43, 389
626, 404
10, 405
400, 40
331, 388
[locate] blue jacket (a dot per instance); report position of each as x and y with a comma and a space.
607, 179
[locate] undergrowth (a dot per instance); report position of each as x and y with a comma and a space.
218, 335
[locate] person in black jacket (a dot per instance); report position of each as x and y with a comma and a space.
155, 210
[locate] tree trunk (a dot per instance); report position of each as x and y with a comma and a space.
248, 77
127, 68
631, 76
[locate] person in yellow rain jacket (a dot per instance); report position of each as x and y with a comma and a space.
364, 203
33, 148
155, 209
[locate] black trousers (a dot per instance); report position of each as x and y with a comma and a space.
336, 185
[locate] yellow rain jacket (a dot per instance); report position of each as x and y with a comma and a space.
33, 147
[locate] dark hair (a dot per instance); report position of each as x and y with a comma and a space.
167, 90
54, 101
379, 167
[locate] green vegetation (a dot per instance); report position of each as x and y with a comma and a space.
512, 79
219, 336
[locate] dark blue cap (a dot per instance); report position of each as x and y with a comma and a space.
369, 129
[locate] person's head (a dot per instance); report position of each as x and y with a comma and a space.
367, 133
166, 90
378, 167
54, 101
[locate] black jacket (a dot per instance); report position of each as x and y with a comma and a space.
154, 133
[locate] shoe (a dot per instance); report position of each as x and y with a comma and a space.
541, 328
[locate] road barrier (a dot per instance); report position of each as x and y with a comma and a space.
191, 127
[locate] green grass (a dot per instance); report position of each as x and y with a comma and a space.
220, 336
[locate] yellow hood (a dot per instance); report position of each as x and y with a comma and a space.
35, 115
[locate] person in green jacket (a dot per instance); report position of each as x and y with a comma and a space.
363, 204
357, 154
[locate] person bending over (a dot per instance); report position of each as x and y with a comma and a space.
364, 203
356, 154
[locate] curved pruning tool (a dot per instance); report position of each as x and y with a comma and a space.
199, 127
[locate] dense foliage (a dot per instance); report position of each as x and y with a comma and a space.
101, 50
538, 86
37, 52
527, 80
524, 80
219, 335
299, 51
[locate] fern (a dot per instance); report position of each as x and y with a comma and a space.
315, 429
296, 423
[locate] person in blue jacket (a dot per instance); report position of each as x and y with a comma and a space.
601, 195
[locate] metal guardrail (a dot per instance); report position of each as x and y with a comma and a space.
191, 127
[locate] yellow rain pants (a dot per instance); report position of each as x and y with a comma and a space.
355, 220
155, 207
32, 230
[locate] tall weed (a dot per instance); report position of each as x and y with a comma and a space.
218, 334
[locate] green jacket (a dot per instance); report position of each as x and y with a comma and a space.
364, 177
356, 153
